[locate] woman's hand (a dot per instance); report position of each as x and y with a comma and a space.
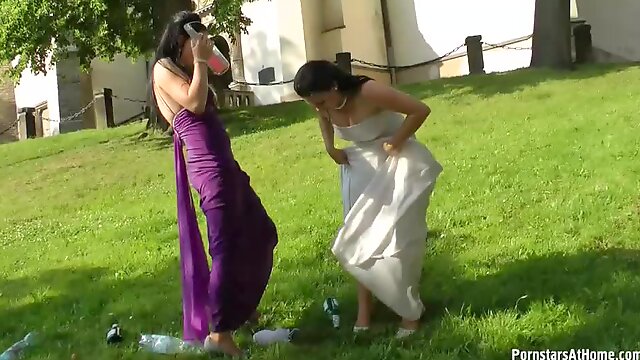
202, 47
339, 156
391, 149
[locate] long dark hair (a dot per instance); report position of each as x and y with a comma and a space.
170, 47
321, 75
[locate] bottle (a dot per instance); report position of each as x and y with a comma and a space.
162, 344
17, 350
332, 310
114, 335
217, 62
268, 337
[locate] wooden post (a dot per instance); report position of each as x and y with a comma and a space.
583, 43
108, 107
474, 54
30, 122
343, 60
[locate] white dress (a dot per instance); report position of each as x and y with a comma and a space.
382, 241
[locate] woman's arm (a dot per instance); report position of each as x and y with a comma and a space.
192, 96
326, 128
391, 99
327, 131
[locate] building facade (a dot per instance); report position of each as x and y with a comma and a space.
393, 41
8, 130
65, 90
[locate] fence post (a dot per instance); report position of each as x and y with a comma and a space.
108, 107
474, 54
30, 122
343, 60
583, 43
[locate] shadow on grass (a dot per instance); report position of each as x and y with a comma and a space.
74, 307
605, 283
489, 85
245, 121
41, 156
80, 305
265, 118
317, 332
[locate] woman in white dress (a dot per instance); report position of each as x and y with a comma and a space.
387, 178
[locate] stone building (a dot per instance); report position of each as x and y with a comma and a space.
8, 117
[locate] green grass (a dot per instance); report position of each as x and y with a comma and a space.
534, 227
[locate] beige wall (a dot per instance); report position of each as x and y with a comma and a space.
334, 26
65, 89
127, 78
422, 31
323, 24
33, 90
364, 33
495, 58
72, 94
8, 114
276, 38
312, 28
614, 26
292, 45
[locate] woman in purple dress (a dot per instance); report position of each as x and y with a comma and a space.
241, 235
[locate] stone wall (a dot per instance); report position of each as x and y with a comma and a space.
7, 108
69, 93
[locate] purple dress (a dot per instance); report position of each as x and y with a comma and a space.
241, 235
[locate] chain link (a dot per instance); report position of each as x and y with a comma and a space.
258, 84
509, 47
129, 99
362, 62
75, 115
404, 67
10, 127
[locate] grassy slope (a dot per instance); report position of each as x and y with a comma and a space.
538, 202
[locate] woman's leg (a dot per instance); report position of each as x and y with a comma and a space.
242, 259
414, 263
221, 289
223, 341
365, 304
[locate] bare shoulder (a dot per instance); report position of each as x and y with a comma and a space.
160, 73
389, 98
375, 89
164, 70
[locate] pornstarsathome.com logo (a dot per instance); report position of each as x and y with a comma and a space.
573, 354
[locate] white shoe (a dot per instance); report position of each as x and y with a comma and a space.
403, 333
359, 329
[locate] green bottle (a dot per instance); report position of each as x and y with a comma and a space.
332, 310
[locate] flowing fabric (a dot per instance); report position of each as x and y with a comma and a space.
383, 239
382, 205
240, 233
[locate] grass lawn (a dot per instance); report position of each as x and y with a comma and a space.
534, 227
